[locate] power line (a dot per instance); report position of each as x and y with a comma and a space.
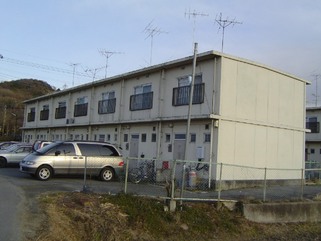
223, 23
40, 66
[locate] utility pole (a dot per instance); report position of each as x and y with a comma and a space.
107, 54
191, 93
194, 14
151, 32
223, 23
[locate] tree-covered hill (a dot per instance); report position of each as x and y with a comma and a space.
12, 95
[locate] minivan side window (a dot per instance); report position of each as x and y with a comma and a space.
107, 151
88, 149
63, 149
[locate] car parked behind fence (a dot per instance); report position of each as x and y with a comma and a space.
74, 157
14, 154
4, 145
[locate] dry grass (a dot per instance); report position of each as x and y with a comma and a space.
79, 216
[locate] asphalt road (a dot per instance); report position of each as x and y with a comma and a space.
18, 199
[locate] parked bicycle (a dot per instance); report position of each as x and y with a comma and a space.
145, 172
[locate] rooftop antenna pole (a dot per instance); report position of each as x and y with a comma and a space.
107, 54
223, 23
316, 88
151, 32
194, 14
73, 72
93, 72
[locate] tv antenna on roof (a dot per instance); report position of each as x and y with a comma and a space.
107, 54
316, 76
151, 32
73, 72
223, 23
194, 14
93, 72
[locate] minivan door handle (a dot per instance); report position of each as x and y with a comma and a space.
81, 157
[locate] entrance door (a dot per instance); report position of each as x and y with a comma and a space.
179, 147
178, 154
133, 148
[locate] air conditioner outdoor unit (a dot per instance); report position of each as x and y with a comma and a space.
70, 121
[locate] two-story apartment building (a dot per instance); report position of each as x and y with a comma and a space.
313, 138
243, 113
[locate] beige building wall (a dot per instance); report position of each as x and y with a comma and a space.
261, 117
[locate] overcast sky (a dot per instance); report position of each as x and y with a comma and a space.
42, 39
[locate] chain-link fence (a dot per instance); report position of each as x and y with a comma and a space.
200, 180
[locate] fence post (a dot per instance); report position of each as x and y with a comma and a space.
302, 183
85, 188
172, 202
264, 185
183, 182
126, 175
220, 183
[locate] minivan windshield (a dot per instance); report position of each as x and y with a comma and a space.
47, 148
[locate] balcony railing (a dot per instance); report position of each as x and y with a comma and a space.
44, 114
80, 110
141, 101
106, 106
60, 113
31, 116
181, 95
313, 126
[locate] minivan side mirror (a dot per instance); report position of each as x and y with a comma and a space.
57, 153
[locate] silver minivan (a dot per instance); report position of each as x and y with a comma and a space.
73, 157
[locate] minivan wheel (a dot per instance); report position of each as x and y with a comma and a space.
107, 174
44, 173
3, 162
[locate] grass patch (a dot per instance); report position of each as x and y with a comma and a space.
79, 216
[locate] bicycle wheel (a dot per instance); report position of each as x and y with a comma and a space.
135, 175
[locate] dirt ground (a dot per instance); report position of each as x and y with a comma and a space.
80, 216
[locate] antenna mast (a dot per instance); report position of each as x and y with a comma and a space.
223, 23
151, 32
316, 88
194, 14
73, 72
93, 72
107, 54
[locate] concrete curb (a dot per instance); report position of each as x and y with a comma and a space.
291, 212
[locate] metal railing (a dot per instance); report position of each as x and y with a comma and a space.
200, 180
